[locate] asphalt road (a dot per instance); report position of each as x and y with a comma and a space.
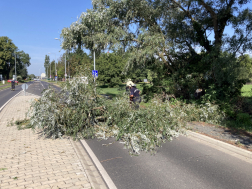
7, 94
182, 163
35, 87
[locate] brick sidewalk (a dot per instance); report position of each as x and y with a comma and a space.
28, 160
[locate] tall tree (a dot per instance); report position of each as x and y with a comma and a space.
7, 60
47, 64
22, 62
170, 30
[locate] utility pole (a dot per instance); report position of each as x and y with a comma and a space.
68, 71
50, 71
94, 64
55, 65
65, 67
15, 67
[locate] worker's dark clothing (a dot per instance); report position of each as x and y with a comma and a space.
13, 85
136, 96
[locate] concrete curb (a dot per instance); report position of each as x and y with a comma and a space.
99, 166
235, 151
93, 175
9, 101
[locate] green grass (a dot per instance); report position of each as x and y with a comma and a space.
6, 83
246, 91
116, 91
5, 86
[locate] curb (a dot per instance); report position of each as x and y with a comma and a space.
98, 165
9, 101
233, 150
95, 178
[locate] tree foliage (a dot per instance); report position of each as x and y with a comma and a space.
47, 64
22, 62
8, 52
110, 67
179, 33
246, 65
32, 76
77, 59
78, 111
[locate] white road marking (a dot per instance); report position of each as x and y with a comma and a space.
9, 101
99, 166
42, 84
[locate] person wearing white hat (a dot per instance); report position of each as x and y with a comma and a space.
128, 85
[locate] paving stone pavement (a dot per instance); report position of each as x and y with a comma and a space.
29, 160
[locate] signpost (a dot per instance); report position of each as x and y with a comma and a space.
24, 87
65, 76
95, 73
14, 77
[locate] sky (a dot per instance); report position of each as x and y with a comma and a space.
33, 25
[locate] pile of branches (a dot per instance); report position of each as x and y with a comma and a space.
78, 111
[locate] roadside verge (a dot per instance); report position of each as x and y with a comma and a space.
222, 146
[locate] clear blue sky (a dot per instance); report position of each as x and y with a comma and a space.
32, 25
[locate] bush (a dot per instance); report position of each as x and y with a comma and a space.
244, 118
19, 79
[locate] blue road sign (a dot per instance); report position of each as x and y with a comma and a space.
95, 73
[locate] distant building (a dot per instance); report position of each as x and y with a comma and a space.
43, 75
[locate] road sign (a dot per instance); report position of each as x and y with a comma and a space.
24, 86
95, 73
65, 74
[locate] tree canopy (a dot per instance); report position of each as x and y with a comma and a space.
186, 35
47, 63
110, 67
8, 52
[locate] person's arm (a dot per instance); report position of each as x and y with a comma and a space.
131, 94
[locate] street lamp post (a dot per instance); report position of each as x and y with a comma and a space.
94, 64
50, 71
65, 58
15, 67
65, 67
55, 65
68, 71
